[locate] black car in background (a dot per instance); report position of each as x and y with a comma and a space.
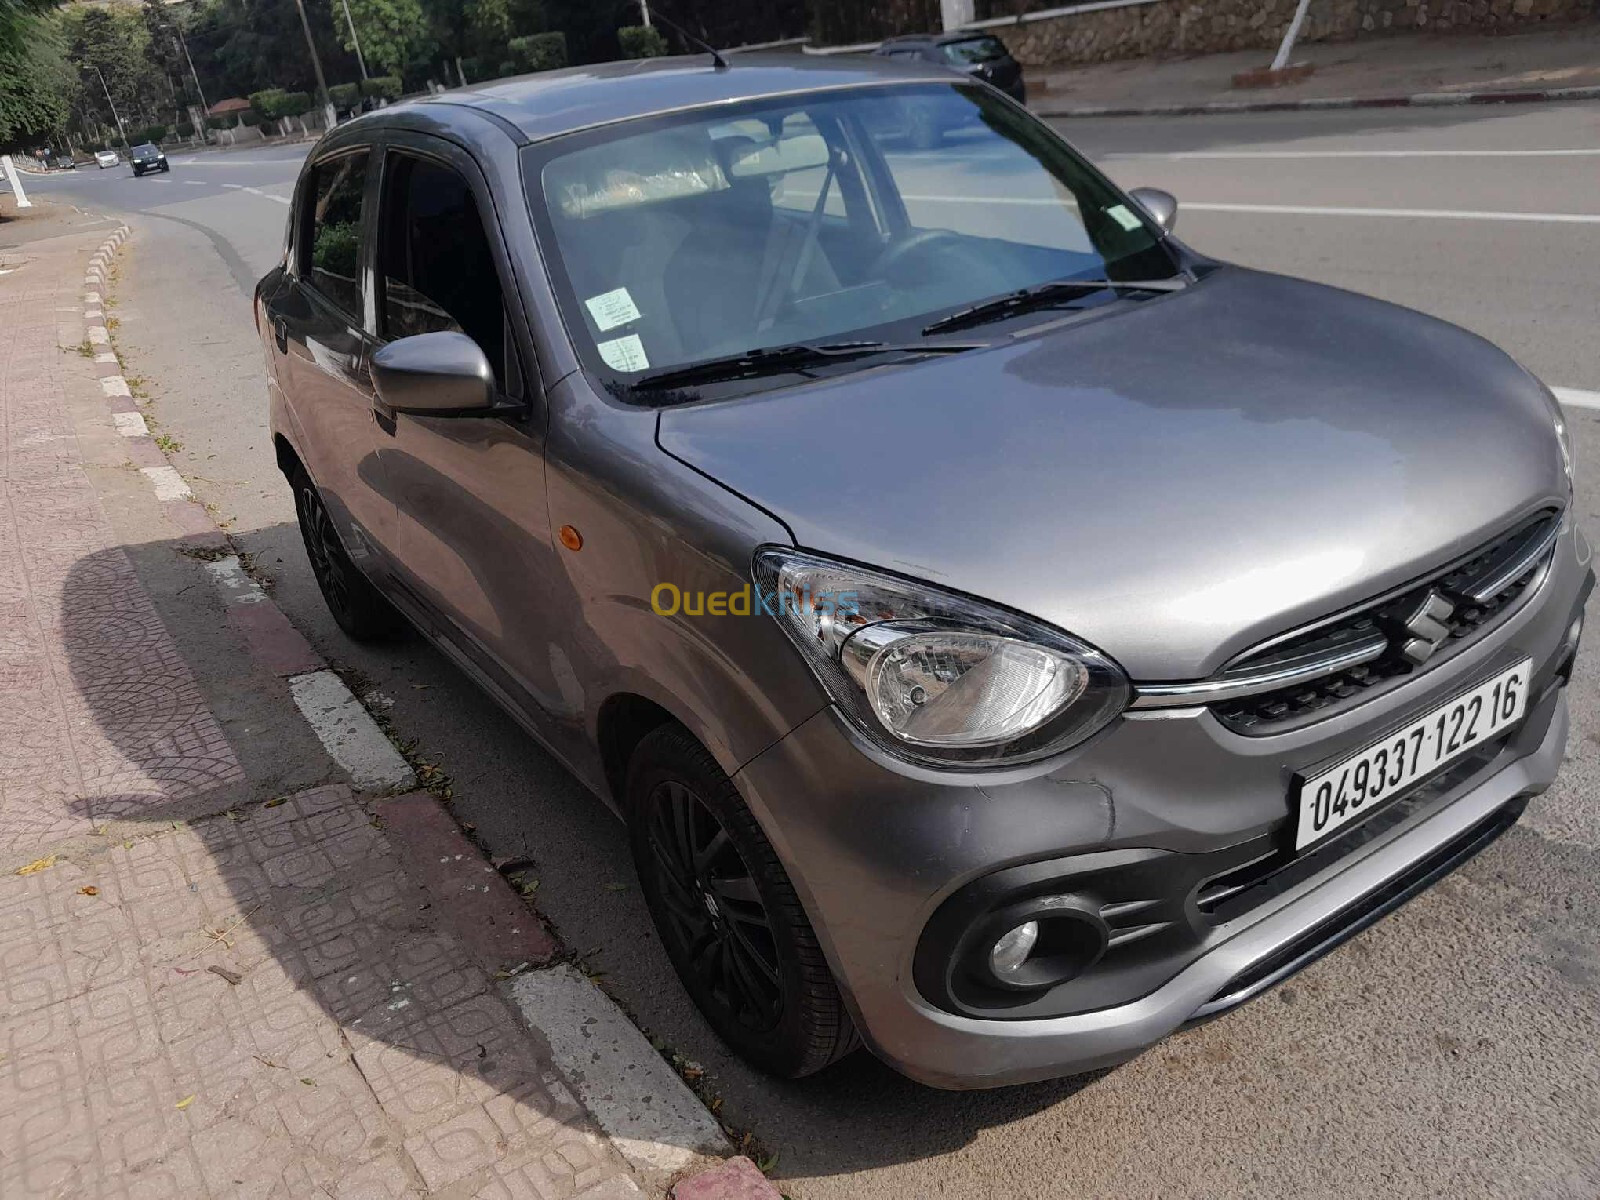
148, 157
981, 55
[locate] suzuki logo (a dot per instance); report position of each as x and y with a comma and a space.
1427, 628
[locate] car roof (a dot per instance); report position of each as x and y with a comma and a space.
936, 39
551, 103
145, 146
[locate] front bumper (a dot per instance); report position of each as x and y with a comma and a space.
876, 849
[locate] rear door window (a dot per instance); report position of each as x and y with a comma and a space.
330, 232
436, 267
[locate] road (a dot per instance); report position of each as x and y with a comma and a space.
1449, 1051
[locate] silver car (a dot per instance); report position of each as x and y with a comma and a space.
1009, 634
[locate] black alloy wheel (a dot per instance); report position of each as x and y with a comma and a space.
727, 913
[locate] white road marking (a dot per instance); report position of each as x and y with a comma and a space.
640, 1102
1577, 397
348, 733
195, 182
266, 195
1430, 214
166, 481
130, 424
1568, 152
1292, 210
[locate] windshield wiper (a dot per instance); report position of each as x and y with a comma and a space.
1044, 295
775, 360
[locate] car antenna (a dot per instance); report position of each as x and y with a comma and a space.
717, 60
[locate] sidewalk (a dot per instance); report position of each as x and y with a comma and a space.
224, 970
1562, 62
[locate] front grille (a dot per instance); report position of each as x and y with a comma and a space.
1484, 589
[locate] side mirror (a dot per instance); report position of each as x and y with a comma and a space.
1162, 206
434, 374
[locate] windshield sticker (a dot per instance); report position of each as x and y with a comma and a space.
624, 353
1120, 214
613, 308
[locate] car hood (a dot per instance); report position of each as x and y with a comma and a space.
1173, 480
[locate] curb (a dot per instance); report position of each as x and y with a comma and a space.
344, 727
655, 1122
1415, 100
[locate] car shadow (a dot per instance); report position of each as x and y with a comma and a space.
247, 933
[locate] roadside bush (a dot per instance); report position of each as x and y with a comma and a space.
385, 87
539, 51
185, 129
227, 122
250, 117
150, 133
296, 104
268, 103
641, 41
346, 97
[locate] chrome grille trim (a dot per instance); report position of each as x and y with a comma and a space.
1259, 671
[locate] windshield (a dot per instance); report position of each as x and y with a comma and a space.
971, 51
816, 218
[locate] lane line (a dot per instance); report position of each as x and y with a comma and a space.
1293, 210
167, 483
1576, 397
1564, 152
1431, 214
266, 195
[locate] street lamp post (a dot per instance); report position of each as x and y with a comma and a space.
316, 65
354, 38
111, 104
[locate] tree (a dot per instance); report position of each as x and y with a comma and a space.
35, 86
109, 49
393, 33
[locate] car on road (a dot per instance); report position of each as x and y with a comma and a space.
1009, 634
107, 158
980, 55
148, 157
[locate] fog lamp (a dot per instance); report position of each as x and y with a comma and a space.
1012, 948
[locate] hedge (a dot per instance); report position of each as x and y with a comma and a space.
268, 103
386, 87
539, 51
641, 41
346, 97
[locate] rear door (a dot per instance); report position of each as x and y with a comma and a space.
321, 321
475, 545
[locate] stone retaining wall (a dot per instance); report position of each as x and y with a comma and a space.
1172, 27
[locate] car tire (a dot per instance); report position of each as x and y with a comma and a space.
727, 914
165, 167
359, 608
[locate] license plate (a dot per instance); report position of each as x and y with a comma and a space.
1381, 771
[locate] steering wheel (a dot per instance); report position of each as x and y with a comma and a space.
896, 252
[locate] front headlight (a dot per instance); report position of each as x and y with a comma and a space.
934, 677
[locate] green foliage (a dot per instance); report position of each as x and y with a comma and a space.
268, 103
109, 51
296, 104
641, 41
229, 122
150, 133
36, 84
539, 51
346, 97
393, 33
336, 249
249, 118
387, 87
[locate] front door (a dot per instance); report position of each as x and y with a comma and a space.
474, 536
320, 324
